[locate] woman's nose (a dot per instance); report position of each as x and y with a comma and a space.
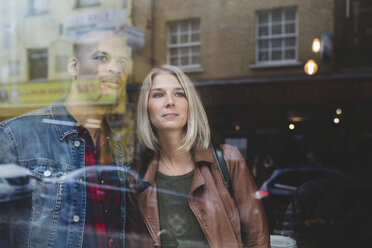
169, 101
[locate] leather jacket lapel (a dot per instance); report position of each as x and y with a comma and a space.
148, 201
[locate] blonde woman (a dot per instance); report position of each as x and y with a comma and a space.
179, 199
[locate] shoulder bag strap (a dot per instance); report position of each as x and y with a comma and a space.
218, 156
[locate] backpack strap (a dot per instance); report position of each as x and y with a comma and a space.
220, 160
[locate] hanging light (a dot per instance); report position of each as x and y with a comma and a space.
338, 111
291, 126
316, 45
237, 127
311, 67
336, 120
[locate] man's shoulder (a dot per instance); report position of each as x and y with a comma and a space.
24, 120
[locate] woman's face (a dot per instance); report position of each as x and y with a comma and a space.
167, 103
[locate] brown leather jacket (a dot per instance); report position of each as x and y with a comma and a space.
226, 222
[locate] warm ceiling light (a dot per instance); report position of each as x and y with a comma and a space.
316, 45
311, 67
336, 120
338, 111
291, 126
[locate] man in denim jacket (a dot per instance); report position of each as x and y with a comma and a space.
73, 161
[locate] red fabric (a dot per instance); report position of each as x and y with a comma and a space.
102, 223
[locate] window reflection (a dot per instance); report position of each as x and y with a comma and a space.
249, 62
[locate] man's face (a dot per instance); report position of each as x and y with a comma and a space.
103, 69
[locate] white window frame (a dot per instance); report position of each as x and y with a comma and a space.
270, 37
190, 67
81, 4
33, 8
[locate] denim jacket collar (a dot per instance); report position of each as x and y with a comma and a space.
62, 120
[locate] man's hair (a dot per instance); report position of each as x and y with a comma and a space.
197, 132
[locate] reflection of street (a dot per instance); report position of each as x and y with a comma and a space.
318, 207
14, 183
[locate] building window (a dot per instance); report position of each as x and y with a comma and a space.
38, 64
86, 3
276, 36
183, 44
38, 7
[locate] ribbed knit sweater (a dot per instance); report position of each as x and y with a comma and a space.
178, 224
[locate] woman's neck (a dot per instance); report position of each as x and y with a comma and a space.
172, 160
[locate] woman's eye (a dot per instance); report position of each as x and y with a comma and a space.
180, 94
157, 95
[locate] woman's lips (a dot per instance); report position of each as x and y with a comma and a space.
170, 115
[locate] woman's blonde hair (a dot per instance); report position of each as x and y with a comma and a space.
197, 132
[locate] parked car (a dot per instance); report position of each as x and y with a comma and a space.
286, 185
14, 182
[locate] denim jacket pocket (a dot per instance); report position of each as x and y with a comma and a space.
47, 189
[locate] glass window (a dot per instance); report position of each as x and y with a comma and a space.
184, 44
273, 28
287, 83
87, 3
38, 7
38, 63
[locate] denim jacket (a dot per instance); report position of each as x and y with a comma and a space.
45, 143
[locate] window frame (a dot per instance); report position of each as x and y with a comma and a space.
190, 44
80, 5
282, 36
42, 52
32, 10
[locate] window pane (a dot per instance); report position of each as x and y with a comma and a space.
263, 31
174, 61
88, 2
184, 26
184, 38
40, 6
276, 43
195, 25
38, 63
277, 16
290, 15
276, 29
184, 51
276, 55
173, 39
263, 44
173, 52
195, 50
263, 56
290, 28
195, 37
290, 54
185, 60
290, 42
195, 60
173, 29
263, 18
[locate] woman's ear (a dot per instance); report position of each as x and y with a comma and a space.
73, 66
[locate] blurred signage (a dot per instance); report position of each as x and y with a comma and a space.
135, 37
79, 24
32, 94
44, 93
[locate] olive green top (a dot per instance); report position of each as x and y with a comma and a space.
178, 225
